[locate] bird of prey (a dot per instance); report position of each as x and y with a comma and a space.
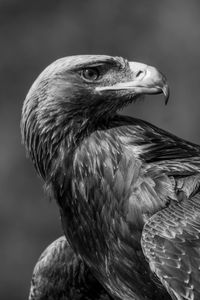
128, 192
61, 275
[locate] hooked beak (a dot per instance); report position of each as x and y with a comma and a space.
145, 80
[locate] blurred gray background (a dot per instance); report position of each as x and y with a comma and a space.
165, 34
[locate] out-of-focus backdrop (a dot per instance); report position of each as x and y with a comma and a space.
165, 34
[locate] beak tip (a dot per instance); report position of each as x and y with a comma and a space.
166, 92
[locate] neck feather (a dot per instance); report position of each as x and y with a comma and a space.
43, 137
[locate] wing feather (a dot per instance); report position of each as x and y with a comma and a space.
171, 243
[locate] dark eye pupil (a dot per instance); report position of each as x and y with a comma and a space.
90, 74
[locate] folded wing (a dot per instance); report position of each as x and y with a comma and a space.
171, 243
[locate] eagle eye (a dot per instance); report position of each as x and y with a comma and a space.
90, 74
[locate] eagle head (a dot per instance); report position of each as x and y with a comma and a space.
81, 89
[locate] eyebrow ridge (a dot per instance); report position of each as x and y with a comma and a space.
97, 63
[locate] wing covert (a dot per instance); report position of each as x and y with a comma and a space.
171, 243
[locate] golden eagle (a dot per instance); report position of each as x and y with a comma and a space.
128, 192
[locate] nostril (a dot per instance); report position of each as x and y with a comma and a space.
139, 73
138, 70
